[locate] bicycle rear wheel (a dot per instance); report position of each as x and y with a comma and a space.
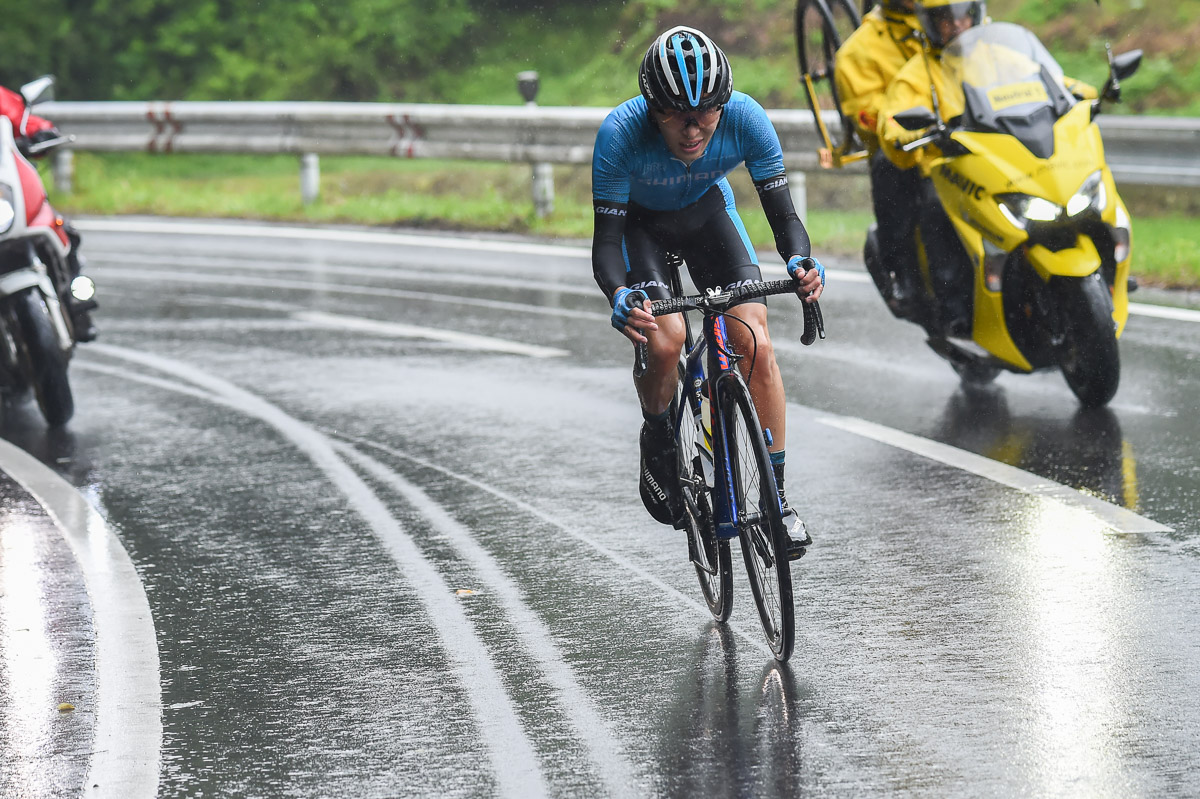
714, 564
760, 523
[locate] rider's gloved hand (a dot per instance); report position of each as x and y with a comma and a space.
624, 301
799, 268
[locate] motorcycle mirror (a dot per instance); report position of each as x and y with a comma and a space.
38, 90
1125, 64
917, 118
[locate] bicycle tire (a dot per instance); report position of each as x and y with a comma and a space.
764, 542
820, 29
711, 556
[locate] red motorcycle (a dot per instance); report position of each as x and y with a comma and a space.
45, 302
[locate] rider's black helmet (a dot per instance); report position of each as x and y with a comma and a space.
683, 70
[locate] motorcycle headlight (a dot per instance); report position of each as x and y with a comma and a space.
8, 211
1021, 209
82, 288
1092, 196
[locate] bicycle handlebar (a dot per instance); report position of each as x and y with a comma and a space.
719, 301
814, 323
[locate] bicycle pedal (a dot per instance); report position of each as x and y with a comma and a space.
796, 549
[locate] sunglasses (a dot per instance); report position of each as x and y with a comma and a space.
706, 116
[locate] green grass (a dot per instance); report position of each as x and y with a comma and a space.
497, 197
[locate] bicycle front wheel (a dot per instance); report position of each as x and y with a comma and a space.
760, 522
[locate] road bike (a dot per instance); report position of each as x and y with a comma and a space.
725, 475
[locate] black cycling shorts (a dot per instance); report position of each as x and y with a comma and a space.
708, 235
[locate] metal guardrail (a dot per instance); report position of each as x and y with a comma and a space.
1155, 151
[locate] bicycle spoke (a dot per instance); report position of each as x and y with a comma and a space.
760, 525
710, 557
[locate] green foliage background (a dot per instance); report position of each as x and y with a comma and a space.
469, 50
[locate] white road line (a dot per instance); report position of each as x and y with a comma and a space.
127, 747
166, 276
395, 329
329, 234
312, 320
1118, 518
613, 767
478, 276
1165, 312
465, 243
513, 758
753, 639
149, 380
317, 321
611, 764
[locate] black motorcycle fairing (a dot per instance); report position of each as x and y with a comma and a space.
1031, 124
1035, 130
1010, 84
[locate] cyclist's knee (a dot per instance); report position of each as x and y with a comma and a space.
666, 343
752, 330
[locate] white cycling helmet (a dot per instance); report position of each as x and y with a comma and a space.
684, 70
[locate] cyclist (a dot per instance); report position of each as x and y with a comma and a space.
863, 68
659, 188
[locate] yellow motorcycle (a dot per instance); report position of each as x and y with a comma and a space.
1046, 239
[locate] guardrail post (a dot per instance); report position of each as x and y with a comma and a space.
543, 174
64, 171
798, 186
310, 178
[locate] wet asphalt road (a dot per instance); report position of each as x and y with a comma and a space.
379, 498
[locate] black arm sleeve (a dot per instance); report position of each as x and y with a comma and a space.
790, 236
608, 260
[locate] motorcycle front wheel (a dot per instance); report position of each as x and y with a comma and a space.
45, 360
1088, 354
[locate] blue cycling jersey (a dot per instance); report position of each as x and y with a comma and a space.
631, 161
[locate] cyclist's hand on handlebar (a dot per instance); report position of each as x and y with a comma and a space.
808, 275
631, 314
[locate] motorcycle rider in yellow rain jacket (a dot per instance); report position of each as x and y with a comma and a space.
867, 61
864, 66
942, 21
914, 85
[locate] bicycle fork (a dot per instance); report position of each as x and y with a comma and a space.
725, 512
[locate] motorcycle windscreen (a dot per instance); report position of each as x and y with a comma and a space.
1005, 81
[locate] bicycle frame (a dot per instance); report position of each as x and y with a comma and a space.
713, 488
713, 344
